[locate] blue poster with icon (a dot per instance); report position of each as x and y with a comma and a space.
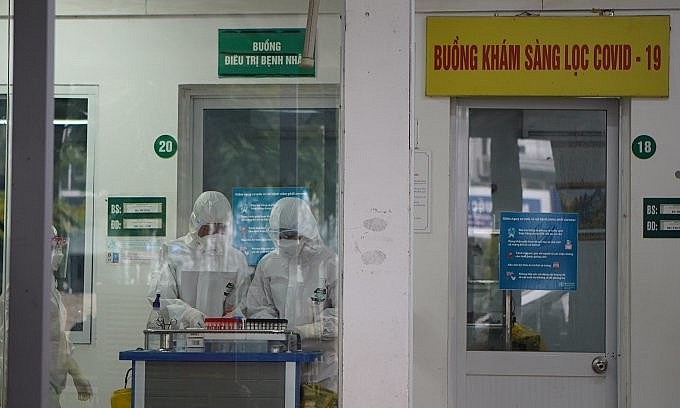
251, 207
538, 251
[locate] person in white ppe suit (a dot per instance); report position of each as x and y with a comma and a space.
200, 274
297, 281
62, 363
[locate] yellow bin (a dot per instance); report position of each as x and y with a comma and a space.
122, 397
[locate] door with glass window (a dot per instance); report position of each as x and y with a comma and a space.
535, 204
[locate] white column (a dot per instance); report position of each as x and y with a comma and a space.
376, 227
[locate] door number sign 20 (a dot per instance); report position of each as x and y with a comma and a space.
165, 146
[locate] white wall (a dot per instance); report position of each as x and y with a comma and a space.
654, 264
137, 64
653, 332
431, 250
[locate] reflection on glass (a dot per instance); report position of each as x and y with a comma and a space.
3, 175
292, 152
119, 83
70, 175
536, 161
275, 148
70, 179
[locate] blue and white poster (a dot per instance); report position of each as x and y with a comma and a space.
251, 208
538, 251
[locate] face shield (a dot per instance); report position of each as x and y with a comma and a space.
292, 220
212, 228
211, 215
59, 258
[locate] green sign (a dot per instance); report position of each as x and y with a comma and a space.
661, 218
644, 147
136, 216
165, 146
261, 52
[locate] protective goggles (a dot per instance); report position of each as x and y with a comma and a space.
288, 234
59, 242
212, 228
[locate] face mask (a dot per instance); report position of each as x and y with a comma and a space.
57, 257
214, 244
289, 247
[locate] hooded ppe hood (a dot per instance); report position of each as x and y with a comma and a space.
294, 214
211, 207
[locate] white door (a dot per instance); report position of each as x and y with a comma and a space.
534, 346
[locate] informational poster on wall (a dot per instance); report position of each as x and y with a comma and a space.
251, 208
126, 251
538, 251
421, 191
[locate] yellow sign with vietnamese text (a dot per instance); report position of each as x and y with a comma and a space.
548, 56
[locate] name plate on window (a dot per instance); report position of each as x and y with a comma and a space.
661, 218
136, 216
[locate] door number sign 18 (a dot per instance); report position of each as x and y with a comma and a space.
165, 146
644, 147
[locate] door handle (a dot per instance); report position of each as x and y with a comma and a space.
600, 364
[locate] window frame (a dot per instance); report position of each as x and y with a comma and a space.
89, 92
195, 98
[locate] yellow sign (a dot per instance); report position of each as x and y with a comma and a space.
557, 56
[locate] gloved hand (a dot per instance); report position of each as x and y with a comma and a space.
192, 317
310, 330
83, 387
175, 312
81, 383
329, 319
327, 327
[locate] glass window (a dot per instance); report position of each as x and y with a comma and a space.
129, 212
70, 208
275, 147
275, 158
3, 178
73, 277
539, 161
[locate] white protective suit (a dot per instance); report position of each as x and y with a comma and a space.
297, 281
62, 361
199, 276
